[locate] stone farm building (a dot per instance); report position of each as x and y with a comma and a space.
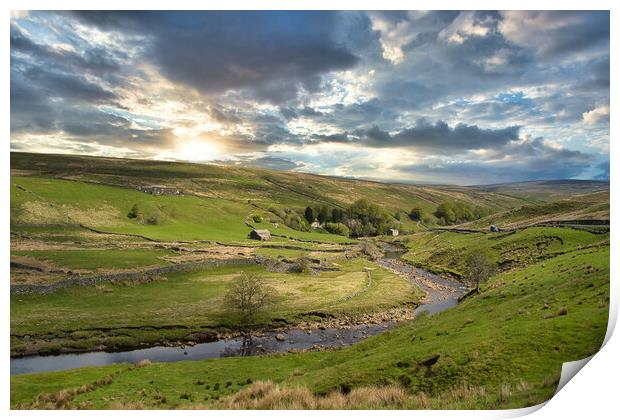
158, 190
260, 234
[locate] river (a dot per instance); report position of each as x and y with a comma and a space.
441, 294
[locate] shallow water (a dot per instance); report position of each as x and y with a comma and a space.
240, 346
443, 295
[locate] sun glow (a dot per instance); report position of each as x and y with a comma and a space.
196, 150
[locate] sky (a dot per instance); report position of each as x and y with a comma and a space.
423, 97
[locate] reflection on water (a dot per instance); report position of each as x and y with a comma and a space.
294, 339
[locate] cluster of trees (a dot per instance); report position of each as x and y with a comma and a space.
292, 218
449, 212
361, 218
324, 214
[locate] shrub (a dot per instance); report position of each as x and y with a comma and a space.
303, 265
371, 250
296, 222
337, 229
416, 214
133, 213
153, 219
257, 218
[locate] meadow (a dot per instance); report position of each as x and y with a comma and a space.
132, 314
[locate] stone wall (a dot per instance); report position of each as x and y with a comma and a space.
93, 279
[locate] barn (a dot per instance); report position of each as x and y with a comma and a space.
260, 234
159, 190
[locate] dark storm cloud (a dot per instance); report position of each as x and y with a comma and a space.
65, 85
530, 160
604, 171
290, 113
112, 130
438, 136
224, 115
273, 54
46, 80
30, 110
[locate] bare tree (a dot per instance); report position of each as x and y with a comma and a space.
480, 267
248, 294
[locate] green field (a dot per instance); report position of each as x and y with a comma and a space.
178, 304
92, 259
510, 341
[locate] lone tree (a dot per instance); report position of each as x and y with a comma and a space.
323, 214
309, 214
480, 266
248, 294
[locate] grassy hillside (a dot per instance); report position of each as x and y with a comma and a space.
259, 188
546, 191
591, 206
445, 252
503, 348
52, 202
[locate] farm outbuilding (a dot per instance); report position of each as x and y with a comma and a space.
392, 232
260, 234
159, 190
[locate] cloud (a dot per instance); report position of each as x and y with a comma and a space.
522, 161
466, 25
552, 33
604, 169
94, 60
596, 115
273, 54
425, 135
401, 29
